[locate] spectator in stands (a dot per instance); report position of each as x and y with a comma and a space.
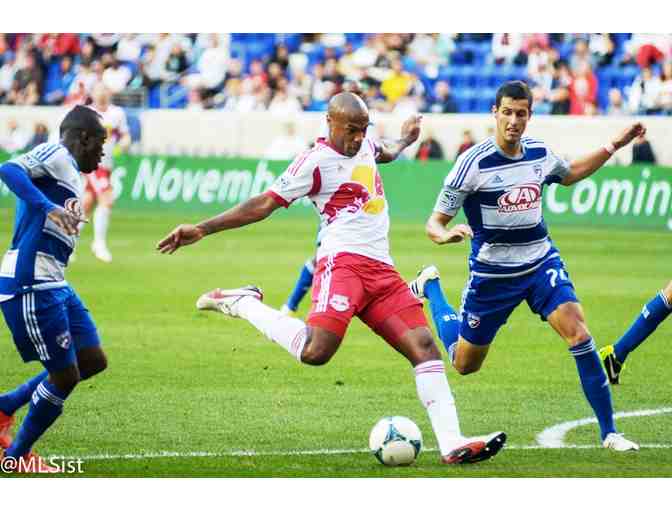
281, 57
28, 81
332, 74
301, 87
104, 43
425, 52
581, 56
240, 96
366, 55
211, 66
275, 75
7, 72
467, 142
397, 84
64, 82
115, 76
665, 96
441, 101
129, 48
559, 98
347, 64
195, 100
583, 90
287, 145
282, 103
429, 148
40, 135
541, 83
602, 48
645, 93
642, 152
616, 103
649, 49
322, 89
506, 48
87, 55
177, 64
15, 139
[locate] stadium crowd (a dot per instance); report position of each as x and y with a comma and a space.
578, 74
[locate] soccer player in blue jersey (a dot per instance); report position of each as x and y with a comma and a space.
653, 313
499, 184
47, 319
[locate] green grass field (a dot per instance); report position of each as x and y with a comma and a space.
186, 390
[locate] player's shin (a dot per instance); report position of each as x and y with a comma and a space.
653, 313
45, 407
435, 395
20, 396
445, 317
101, 223
286, 331
595, 384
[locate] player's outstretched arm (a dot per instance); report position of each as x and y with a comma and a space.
588, 165
410, 131
252, 210
437, 231
22, 186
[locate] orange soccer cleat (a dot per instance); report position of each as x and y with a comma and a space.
6, 422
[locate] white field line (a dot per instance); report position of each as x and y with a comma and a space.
551, 438
554, 437
290, 453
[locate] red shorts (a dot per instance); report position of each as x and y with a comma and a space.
98, 181
347, 285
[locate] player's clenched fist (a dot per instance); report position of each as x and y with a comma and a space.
180, 236
410, 130
459, 233
66, 220
629, 134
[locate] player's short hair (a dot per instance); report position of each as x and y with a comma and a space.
82, 118
515, 90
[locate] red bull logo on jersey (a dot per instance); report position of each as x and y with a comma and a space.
521, 198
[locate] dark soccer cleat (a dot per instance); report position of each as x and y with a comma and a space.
476, 449
612, 366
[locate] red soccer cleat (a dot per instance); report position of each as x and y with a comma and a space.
476, 449
6, 423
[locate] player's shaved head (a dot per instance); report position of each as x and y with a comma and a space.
347, 104
348, 119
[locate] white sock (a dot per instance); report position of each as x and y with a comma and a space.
288, 332
101, 221
434, 393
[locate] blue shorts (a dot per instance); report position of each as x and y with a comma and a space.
488, 302
50, 326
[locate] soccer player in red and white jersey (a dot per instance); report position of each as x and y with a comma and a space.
98, 185
355, 275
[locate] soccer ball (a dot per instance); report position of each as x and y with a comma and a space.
395, 441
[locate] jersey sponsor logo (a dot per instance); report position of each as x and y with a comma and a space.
365, 193
473, 320
339, 303
520, 198
64, 340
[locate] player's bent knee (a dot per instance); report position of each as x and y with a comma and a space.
94, 368
320, 347
419, 346
467, 368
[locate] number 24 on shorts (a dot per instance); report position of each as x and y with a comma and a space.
554, 274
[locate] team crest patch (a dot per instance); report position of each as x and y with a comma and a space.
537, 170
64, 340
473, 320
74, 206
339, 303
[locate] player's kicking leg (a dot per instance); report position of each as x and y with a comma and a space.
653, 313
301, 288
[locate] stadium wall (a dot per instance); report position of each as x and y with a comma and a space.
630, 197
249, 135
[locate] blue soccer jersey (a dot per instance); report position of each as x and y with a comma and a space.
40, 250
501, 197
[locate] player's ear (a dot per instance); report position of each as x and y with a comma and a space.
493, 109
